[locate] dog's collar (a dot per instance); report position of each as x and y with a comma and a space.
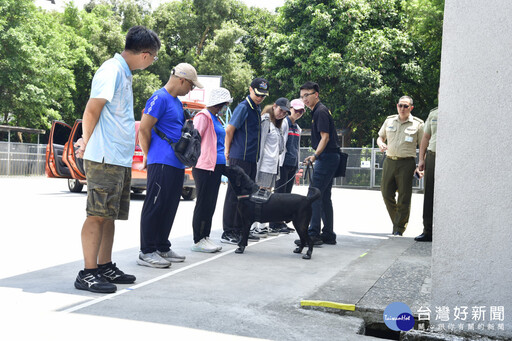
243, 196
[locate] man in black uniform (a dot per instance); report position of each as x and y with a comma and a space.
326, 159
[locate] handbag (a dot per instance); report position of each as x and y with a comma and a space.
188, 148
342, 166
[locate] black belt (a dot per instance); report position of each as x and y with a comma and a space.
395, 158
431, 152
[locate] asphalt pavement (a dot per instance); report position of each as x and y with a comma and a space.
266, 293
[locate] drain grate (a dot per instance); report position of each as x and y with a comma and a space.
381, 331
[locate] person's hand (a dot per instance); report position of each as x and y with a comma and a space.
144, 164
419, 172
226, 154
383, 147
310, 159
421, 165
81, 148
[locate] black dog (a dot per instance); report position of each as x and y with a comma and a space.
279, 207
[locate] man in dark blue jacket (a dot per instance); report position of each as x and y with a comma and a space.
242, 148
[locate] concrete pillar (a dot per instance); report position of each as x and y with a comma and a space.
472, 249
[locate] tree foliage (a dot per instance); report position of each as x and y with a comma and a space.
363, 53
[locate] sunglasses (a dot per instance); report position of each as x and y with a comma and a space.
403, 106
261, 96
299, 111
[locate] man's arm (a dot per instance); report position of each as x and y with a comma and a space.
382, 146
423, 151
146, 125
230, 132
90, 119
321, 146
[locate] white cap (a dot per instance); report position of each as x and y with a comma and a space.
218, 96
187, 71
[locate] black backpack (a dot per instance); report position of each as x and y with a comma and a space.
188, 148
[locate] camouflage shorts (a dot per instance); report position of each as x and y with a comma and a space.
108, 190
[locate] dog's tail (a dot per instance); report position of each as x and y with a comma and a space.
313, 194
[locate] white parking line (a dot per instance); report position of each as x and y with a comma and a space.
156, 279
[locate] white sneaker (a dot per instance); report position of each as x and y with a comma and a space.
171, 256
260, 230
153, 260
203, 246
218, 247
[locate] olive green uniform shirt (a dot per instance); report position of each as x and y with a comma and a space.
431, 129
402, 138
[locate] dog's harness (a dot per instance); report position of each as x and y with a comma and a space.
258, 198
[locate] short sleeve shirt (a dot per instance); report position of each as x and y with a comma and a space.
113, 138
323, 122
246, 139
431, 129
168, 110
221, 136
402, 138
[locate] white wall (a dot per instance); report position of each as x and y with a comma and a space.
472, 249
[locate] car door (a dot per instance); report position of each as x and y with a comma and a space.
55, 167
75, 164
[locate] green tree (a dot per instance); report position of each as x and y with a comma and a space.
37, 57
225, 55
357, 50
425, 25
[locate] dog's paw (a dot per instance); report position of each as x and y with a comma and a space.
240, 249
298, 250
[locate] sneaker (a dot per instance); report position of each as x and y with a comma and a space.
94, 282
286, 230
260, 230
316, 241
171, 256
203, 246
230, 238
209, 241
253, 238
153, 260
112, 273
273, 231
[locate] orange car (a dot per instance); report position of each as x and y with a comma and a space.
61, 161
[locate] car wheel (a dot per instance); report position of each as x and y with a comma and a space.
188, 193
75, 186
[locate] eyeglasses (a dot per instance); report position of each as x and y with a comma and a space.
403, 106
155, 57
299, 111
261, 96
306, 95
192, 85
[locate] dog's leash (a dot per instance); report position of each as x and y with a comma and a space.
308, 171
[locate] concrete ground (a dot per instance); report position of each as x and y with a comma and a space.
210, 296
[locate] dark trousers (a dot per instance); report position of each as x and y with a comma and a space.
325, 167
428, 199
284, 185
231, 220
397, 175
207, 187
164, 187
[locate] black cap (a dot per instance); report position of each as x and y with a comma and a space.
283, 103
260, 86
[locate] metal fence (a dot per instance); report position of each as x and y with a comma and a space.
364, 169
22, 158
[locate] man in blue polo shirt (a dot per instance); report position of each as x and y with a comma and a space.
242, 146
